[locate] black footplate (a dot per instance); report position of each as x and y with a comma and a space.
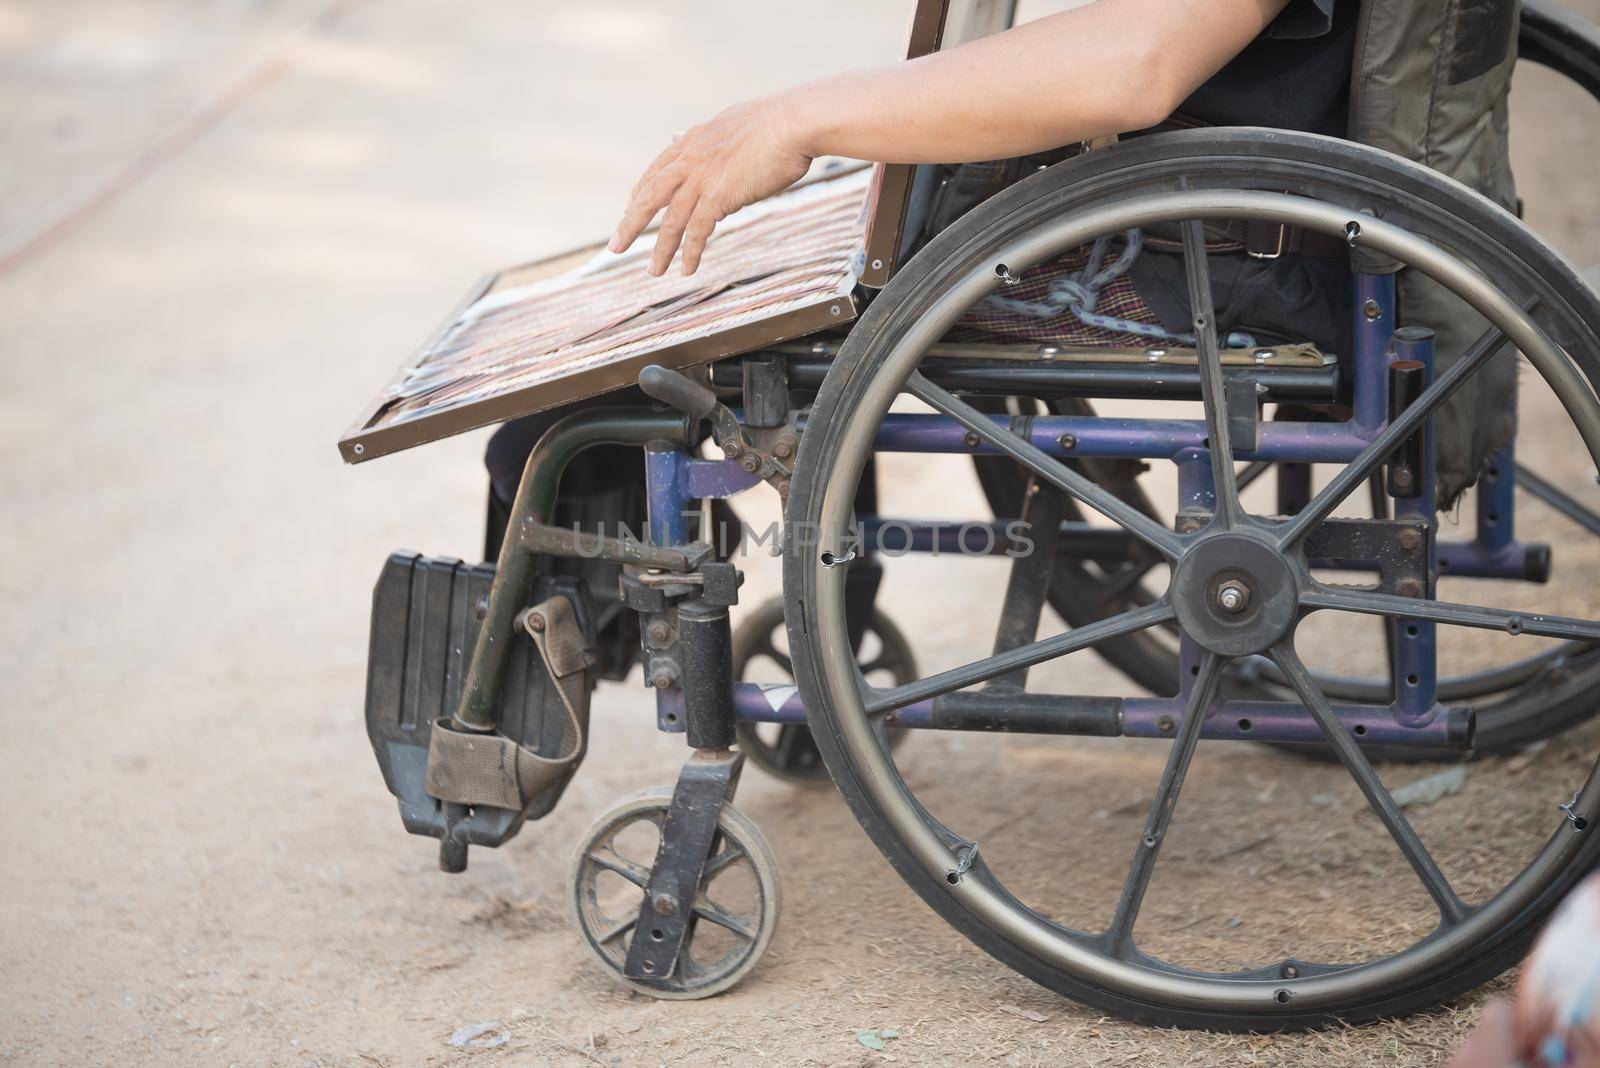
426, 614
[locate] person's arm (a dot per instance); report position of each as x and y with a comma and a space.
1109, 67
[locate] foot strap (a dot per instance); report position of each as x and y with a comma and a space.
471, 768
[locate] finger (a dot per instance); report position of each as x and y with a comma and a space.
672, 224
663, 158
697, 233
643, 207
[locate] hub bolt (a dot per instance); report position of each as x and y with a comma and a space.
1233, 597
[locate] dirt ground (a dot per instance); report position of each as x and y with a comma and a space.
266, 204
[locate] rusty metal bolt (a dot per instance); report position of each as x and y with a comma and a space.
663, 678
751, 463
480, 610
1401, 476
972, 441
1164, 723
535, 621
784, 448
664, 905
660, 633
1068, 441
1409, 540
1409, 587
1372, 311
732, 449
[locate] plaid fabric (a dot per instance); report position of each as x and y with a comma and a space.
1119, 299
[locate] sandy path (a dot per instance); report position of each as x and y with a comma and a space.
202, 865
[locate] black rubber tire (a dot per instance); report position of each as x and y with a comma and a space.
1562, 40
1277, 160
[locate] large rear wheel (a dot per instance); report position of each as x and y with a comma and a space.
1240, 585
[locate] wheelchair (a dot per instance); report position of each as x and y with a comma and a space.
1229, 564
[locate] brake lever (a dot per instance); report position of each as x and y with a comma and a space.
683, 393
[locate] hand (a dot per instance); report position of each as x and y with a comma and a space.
743, 155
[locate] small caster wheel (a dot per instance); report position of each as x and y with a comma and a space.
734, 913
786, 750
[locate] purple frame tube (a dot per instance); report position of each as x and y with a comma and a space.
665, 494
1494, 551
1130, 439
1524, 560
1375, 318
1416, 646
1146, 717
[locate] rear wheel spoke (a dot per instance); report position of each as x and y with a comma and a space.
1558, 499
1451, 907
787, 734
1119, 935
1024, 656
1047, 467
1250, 472
1122, 580
1229, 514
1456, 615
771, 652
1380, 448
1379, 500
1377, 497
877, 663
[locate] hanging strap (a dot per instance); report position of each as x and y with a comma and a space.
468, 768
1079, 292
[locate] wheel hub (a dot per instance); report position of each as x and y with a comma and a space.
1235, 595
